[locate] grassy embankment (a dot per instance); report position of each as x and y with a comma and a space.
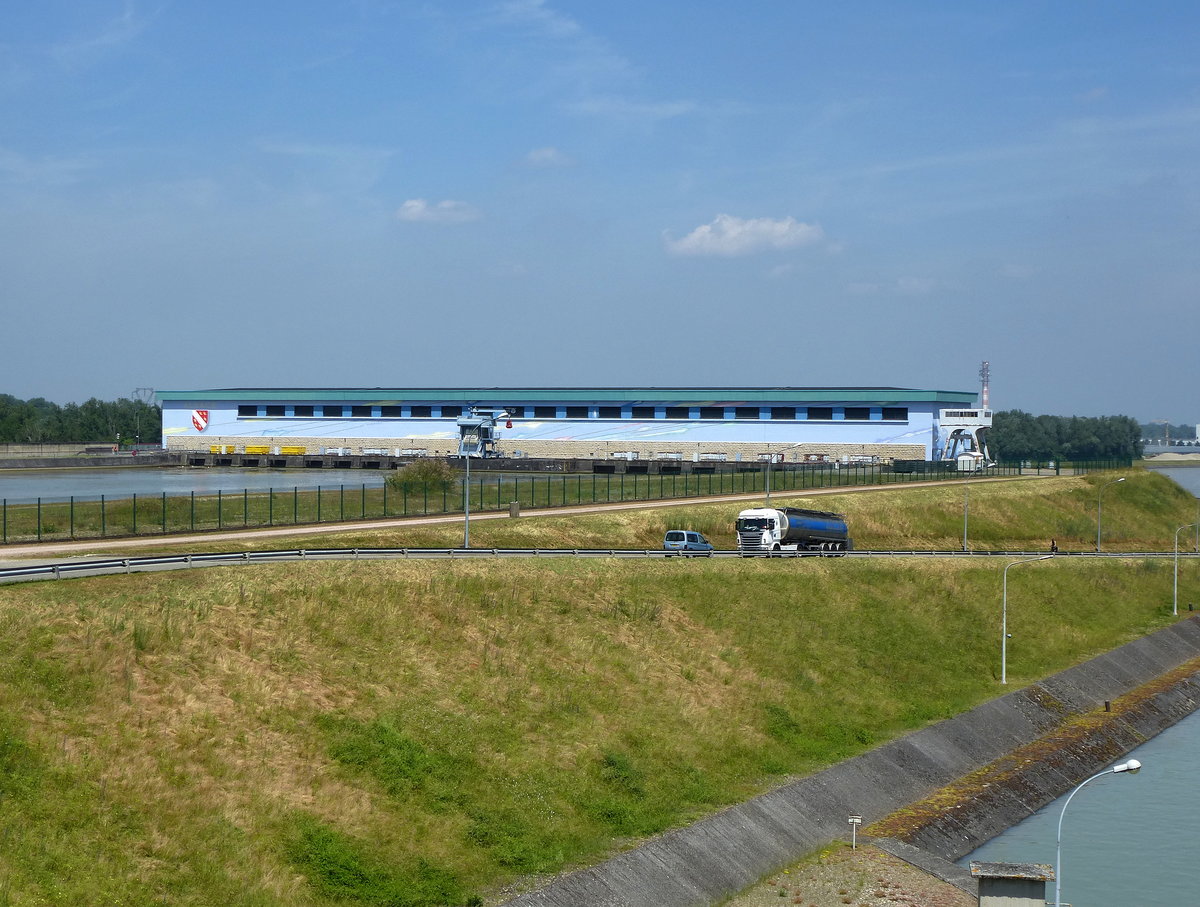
427, 732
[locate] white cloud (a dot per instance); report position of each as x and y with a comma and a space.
84, 50
535, 14
548, 157
730, 236
916, 286
625, 109
417, 210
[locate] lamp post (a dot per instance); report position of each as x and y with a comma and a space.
1004, 616
1132, 767
1175, 594
479, 420
467, 502
966, 507
1100, 504
770, 460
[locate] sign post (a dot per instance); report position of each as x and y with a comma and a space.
855, 821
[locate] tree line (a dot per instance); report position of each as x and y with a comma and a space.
1017, 435
1161, 432
39, 421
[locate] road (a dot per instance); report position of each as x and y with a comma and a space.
14, 555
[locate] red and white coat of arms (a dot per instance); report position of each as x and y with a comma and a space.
200, 419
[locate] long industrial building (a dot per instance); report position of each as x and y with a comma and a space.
790, 424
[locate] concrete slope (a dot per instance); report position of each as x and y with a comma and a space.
727, 852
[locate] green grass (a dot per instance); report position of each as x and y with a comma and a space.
162, 515
1141, 514
432, 732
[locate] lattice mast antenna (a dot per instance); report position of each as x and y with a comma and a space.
985, 374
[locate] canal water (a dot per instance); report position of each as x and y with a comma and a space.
1127, 840
18, 486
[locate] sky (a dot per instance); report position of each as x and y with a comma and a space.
363, 193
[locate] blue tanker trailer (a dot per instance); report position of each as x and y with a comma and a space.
763, 530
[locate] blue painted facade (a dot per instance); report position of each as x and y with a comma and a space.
595, 420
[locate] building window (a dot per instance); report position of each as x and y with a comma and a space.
545, 412
820, 413
577, 412
276, 410
783, 412
391, 412
609, 412
515, 412
895, 414
332, 412
712, 412
643, 412
451, 412
360, 412
422, 412
247, 410
677, 412
745, 412
303, 412
857, 413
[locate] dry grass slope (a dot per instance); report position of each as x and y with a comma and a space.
432, 732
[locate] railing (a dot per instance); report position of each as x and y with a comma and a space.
167, 514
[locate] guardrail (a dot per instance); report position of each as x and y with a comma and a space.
107, 566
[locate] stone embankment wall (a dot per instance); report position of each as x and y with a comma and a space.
552, 449
1039, 742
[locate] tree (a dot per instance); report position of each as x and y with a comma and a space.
38, 421
1016, 435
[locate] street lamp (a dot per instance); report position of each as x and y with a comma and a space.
1004, 616
1100, 504
1175, 597
966, 507
770, 460
479, 423
1132, 767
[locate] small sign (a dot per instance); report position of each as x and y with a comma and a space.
856, 820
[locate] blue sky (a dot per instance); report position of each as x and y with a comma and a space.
530, 193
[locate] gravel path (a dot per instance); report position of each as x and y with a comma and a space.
866, 877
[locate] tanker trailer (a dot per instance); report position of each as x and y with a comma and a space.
763, 530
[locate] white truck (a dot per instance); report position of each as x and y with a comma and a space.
764, 530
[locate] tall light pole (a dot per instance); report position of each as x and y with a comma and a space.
966, 507
1100, 504
1175, 595
1004, 616
770, 460
480, 423
1132, 767
467, 502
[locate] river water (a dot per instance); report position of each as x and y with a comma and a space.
27, 485
1127, 840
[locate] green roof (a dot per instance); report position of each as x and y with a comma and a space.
691, 395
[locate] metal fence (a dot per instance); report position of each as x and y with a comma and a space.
167, 514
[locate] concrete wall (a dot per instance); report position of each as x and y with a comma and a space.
548, 449
730, 851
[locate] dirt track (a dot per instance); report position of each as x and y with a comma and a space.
866, 877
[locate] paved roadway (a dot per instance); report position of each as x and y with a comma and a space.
51, 552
